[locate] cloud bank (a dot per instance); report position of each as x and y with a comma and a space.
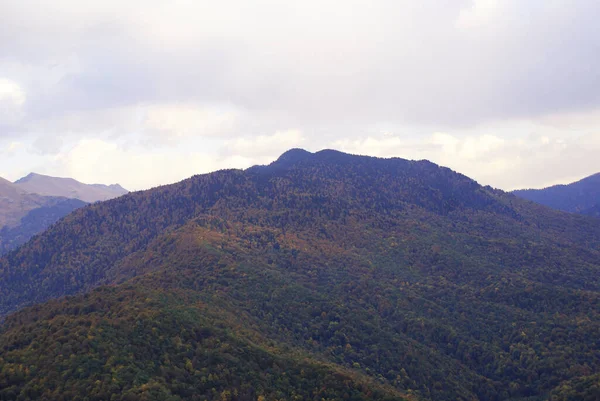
502, 90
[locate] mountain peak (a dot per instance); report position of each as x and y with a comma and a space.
5, 181
31, 176
293, 155
297, 155
68, 187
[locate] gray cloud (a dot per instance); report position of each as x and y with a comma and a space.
456, 64
330, 70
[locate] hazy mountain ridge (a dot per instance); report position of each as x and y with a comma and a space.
36, 221
399, 272
582, 196
15, 203
24, 214
32, 203
69, 188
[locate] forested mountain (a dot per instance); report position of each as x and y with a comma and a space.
23, 214
322, 276
36, 221
582, 196
69, 188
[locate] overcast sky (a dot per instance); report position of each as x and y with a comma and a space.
150, 92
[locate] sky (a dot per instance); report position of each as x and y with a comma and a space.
145, 93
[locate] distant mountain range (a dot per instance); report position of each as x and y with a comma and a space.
322, 276
69, 188
33, 203
581, 197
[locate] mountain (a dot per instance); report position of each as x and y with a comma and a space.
33, 203
36, 221
23, 214
68, 188
15, 203
592, 211
582, 196
320, 276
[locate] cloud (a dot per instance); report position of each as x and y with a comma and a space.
365, 61
11, 148
265, 146
244, 80
177, 121
11, 92
521, 162
12, 99
97, 160
107, 161
47, 145
478, 14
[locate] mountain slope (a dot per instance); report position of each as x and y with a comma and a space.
35, 222
592, 211
15, 203
22, 214
399, 272
582, 196
33, 203
69, 188
189, 357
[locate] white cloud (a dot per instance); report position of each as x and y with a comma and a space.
478, 13
360, 61
97, 160
573, 121
12, 98
520, 162
11, 148
105, 161
262, 146
175, 121
157, 124
437, 144
386, 146
10, 91
480, 147
47, 144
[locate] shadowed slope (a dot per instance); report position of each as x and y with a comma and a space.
23, 214
582, 196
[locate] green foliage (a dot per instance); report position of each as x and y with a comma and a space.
373, 277
584, 388
133, 344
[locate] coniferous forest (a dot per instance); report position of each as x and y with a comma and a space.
322, 276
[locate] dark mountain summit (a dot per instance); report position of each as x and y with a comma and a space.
293, 156
582, 196
321, 276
